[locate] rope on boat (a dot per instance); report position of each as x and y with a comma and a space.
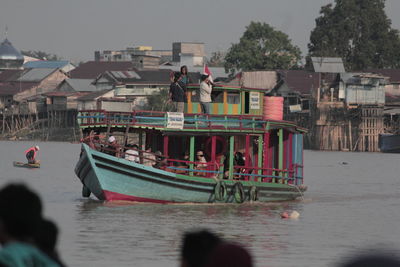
298, 189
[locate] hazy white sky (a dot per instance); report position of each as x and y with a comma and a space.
74, 29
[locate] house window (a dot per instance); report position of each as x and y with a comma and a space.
195, 96
130, 86
306, 104
293, 101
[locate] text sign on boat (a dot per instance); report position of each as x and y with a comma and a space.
175, 120
254, 100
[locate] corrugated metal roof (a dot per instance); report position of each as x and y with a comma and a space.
93, 95
393, 74
81, 85
45, 64
92, 69
12, 88
9, 75
300, 80
125, 74
328, 64
35, 75
354, 77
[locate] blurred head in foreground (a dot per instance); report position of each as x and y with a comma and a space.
230, 255
20, 213
197, 247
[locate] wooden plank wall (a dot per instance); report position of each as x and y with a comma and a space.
370, 128
349, 133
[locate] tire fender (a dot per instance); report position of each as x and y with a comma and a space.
220, 191
253, 193
238, 192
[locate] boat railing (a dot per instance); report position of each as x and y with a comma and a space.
142, 118
274, 175
205, 169
212, 169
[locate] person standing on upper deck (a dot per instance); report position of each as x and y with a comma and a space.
205, 93
177, 93
185, 80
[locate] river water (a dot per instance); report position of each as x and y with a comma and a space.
352, 207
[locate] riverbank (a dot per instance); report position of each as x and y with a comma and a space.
68, 134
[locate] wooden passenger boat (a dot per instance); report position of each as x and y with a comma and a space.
26, 165
271, 170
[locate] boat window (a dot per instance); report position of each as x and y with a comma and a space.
195, 96
233, 98
217, 97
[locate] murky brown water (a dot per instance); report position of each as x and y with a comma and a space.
348, 209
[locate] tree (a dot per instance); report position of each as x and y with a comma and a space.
262, 47
158, 101
217, 59
41, 55
359, 32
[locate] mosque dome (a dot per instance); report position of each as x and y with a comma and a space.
10, 58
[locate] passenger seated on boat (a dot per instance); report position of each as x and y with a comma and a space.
238, 160
132, 153
149, 159
113, 148
161, 161
182, 165
201, 163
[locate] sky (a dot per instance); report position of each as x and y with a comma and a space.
74, 29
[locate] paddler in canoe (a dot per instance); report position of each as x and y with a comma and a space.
31, 153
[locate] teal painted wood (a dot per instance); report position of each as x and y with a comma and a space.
298, 157
103, 174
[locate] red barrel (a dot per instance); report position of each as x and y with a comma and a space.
273, 108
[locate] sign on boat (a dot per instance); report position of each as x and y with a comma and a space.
249, 155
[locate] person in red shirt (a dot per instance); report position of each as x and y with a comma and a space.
31, 154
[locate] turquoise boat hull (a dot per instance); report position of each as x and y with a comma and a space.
110, 178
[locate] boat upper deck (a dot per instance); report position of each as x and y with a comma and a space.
184, 122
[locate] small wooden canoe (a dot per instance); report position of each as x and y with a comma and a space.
26, 165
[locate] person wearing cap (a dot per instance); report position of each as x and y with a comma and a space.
31, 153
177, 93
205, 93
113, 148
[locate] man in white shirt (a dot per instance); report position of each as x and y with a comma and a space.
132, 154
205, 94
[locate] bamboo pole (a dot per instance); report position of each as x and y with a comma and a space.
350, 137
